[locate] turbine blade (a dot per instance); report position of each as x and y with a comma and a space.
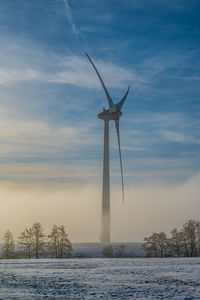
120, 156
120, 103
110, 102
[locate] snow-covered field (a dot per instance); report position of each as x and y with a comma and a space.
140, 278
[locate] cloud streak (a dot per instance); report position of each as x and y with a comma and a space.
13, 76
71, 69
69, 17
179, 137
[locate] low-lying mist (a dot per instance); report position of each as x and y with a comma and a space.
147, 208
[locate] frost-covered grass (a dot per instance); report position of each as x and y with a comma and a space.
146, 278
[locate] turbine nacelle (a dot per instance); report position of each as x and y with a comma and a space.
107, 115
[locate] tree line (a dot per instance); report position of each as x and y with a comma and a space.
32, 242
183, 242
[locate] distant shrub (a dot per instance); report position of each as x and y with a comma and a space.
81, 255
111, 251
108, 251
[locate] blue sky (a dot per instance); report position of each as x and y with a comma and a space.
50, 95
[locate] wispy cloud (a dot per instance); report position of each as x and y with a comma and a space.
179, 137
76, 70
79, 72
75, 30
69, 69
29, 138
70, 18
12, 76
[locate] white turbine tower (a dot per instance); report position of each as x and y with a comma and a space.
113, 113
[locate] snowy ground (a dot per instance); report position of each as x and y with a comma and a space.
143, 278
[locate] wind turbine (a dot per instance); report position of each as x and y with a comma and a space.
113, 113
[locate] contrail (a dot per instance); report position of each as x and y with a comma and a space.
77, 32
69, 17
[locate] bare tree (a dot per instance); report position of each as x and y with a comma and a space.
26, 240
183, 242
65, 246
156, 245
38, 238
176, 242
190, 238
163, 244
53, 241
59, 243
150, 245
198, 237
8, 245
